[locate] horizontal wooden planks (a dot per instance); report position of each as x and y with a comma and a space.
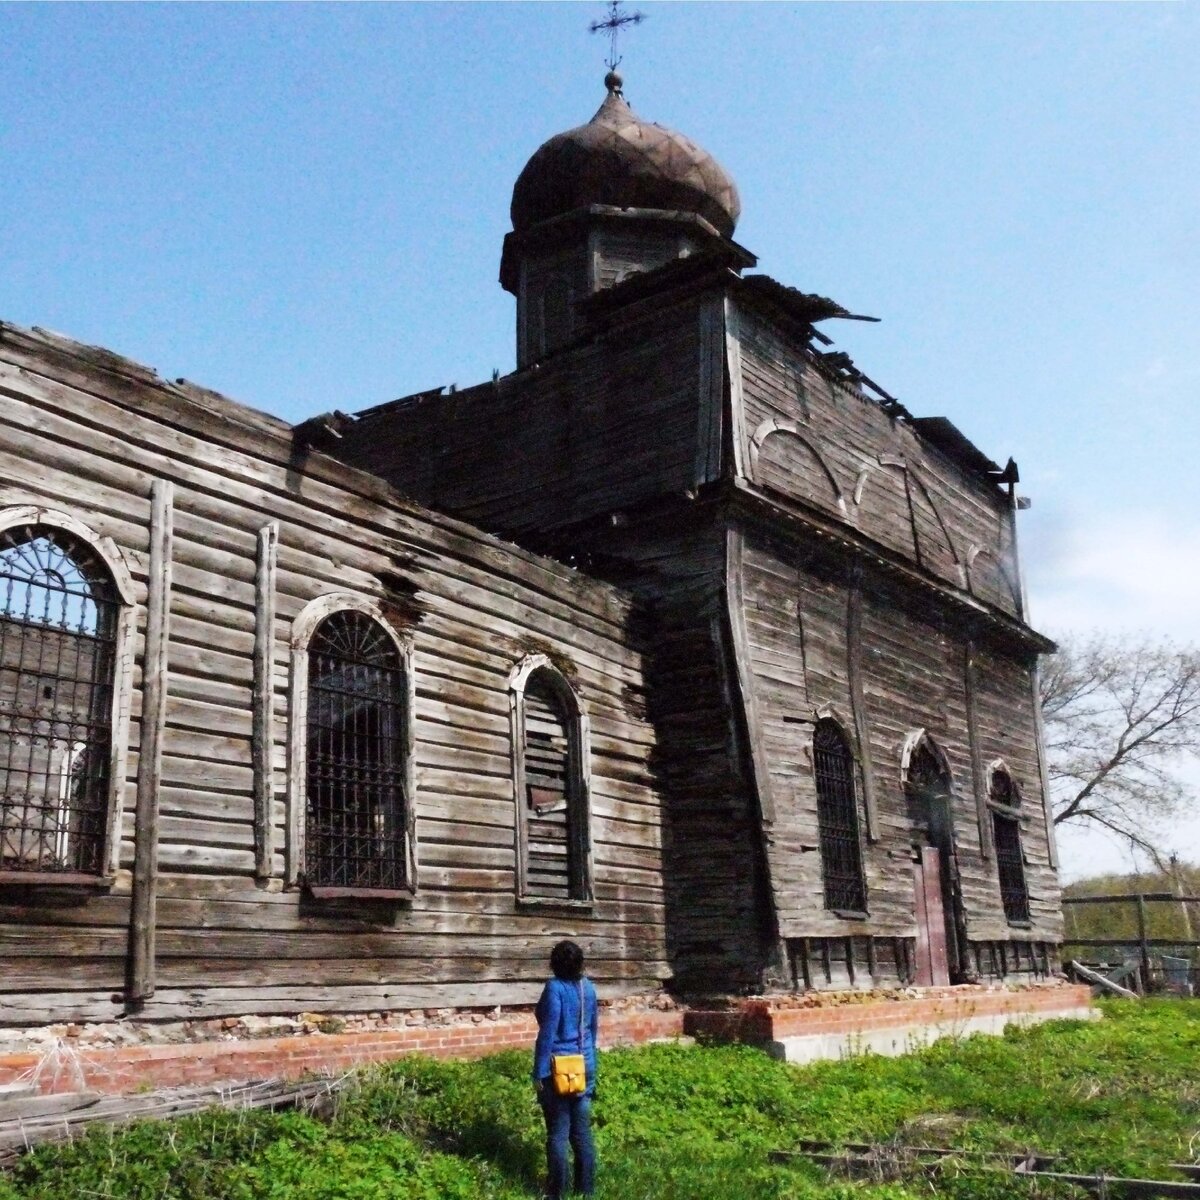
473, 608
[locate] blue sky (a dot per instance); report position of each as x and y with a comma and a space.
302, 206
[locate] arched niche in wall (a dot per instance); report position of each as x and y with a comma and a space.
785, 460
935, 545
938, 909
893, 504
881, 508
928, 785
992, 580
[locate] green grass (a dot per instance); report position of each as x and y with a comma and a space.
1121, 1095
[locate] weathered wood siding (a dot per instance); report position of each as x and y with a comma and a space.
797, 600
88, 433
701, 397
807, 438
605, 427
720, 924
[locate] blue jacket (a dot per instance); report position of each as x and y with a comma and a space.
558, 1026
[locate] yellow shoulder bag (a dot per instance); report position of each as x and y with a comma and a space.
568, 1072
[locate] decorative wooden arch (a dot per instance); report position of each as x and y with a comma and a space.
913, 741
775, 426
976, 552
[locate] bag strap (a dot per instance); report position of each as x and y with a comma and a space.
580, 1016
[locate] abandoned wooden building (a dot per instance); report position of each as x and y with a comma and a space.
684, 639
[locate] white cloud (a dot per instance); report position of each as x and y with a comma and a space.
1135, 572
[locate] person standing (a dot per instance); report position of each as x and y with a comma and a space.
567, 1024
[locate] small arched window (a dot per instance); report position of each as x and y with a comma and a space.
837, 820
1005, 802
356, 807
553, 842
59, 610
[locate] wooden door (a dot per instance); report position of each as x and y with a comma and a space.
933, 967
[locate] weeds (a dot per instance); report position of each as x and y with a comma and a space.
684, 1124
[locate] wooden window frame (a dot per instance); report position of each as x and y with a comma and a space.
579, 805
1019, 817
304, 626
829, 717
122, 693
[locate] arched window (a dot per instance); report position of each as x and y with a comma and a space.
59, 615
837, 820
1005, 801
550, 774
927, 790
356, 806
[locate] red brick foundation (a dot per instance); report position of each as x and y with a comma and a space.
825, 1021
824, 1025
116, 1069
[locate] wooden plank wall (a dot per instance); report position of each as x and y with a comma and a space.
811, 439
86, 432
602, 428
720, 925
797, 600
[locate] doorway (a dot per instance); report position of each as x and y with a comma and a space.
936, 897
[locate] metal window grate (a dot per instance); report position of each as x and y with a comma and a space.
1010, 862
58, 619
837, 820
356, 814
550, 848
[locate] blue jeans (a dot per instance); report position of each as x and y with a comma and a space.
568, 1119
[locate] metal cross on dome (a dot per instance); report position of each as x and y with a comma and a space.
616, 20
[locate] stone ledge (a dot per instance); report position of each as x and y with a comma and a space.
799, 1031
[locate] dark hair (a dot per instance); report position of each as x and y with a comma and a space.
566, 961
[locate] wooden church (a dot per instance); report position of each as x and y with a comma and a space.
684, 639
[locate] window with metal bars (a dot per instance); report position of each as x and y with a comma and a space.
356, 819
58, 622
553, 845
837, 820
1010, 861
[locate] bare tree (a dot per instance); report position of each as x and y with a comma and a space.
1121, 717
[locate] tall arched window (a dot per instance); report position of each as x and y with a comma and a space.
837, 820
356, 812
1005, 801
553, 842
59, 611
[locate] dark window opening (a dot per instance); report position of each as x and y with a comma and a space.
837, 820
58, 622
1010, 862
554, 844
558, 314
356, 820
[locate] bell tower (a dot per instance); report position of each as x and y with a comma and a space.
600, 203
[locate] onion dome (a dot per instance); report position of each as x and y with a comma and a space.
617, 159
